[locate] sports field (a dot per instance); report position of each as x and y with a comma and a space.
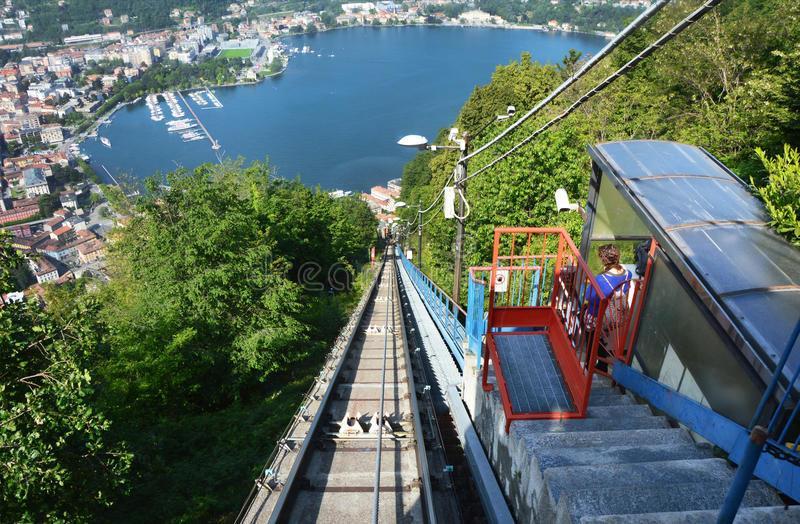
235, 53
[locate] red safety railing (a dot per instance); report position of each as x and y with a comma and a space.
544, 263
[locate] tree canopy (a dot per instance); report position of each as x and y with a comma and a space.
227, 284
56, 459
728, 84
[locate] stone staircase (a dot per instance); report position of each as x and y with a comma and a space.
621, 464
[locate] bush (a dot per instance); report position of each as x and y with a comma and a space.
781, 194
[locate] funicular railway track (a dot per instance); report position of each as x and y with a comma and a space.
349, 467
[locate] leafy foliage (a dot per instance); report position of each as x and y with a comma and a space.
56, 459
83, 16
201, 284
781, 194
729, 84
602, 17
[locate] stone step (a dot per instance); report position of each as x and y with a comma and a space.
600, 382
610, 400
561, 482
613, 500
770, 514
627, 410
542, 460
556, 458
602, 439
592, 424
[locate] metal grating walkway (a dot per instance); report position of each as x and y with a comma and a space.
533, 379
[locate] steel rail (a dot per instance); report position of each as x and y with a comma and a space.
376, 497
341, 343
281, 504
287, 494
422, 455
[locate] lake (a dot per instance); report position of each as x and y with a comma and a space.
334, 116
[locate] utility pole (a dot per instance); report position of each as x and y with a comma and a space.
460, 188
419, 235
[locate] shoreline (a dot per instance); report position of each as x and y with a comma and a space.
97, 124
504, 25
512, 27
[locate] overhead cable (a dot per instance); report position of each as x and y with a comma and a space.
649, 50
613, 44
610, 46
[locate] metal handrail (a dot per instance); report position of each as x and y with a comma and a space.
575, 307
760, 437
446, 313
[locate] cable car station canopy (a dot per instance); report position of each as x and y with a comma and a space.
716, 233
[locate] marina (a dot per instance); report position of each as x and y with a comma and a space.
214, 144
205, 99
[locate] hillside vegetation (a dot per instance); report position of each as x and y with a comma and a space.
156, 397
730, 84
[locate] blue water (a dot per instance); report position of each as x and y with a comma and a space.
334, 121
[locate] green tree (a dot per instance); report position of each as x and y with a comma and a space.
57, 462
729, 84
781, 193
276, 65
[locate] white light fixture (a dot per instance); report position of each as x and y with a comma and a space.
417, 141
563, 203
399, 203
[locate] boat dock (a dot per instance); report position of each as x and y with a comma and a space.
214, 144
110, 175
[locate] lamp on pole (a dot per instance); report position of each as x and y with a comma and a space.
462, 145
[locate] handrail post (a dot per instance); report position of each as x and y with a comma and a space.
758, 437
733, 499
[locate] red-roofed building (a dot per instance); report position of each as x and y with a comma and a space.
53, 224
46, 159
373, 202
92, 250
385, 193
44, 269
64, 233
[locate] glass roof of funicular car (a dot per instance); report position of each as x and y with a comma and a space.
716, 233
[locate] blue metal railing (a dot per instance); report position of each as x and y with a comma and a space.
448, 316
476, 311
761, 439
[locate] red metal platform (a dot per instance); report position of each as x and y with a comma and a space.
542, 336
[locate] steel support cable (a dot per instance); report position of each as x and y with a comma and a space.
377, 486
613, 44
649, 50
637, 23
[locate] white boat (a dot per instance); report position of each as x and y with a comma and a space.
184, 127
106, 142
